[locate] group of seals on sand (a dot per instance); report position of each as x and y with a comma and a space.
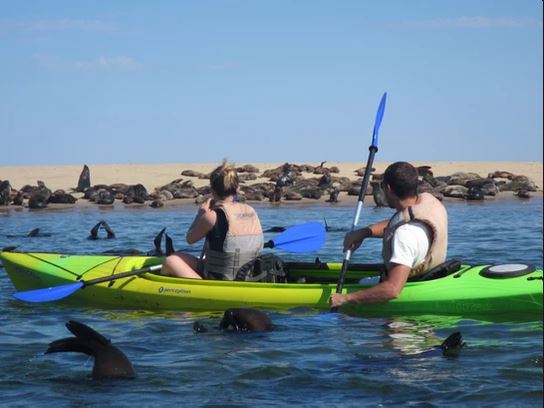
36, 197
471, 186
111, 363
461, 185
288, 182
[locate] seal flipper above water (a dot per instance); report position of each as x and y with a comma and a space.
275, 229
34, 233
37, 233
157, 242
101, 224
169, 245
109, 361
94, 231
109, 231
84, 331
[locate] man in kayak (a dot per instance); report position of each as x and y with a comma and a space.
232, 230
415, 239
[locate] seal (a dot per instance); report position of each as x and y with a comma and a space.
37, 233
275, 196
245, 320
39, 196
5, 192
275, 229
452, 345
169, 244
84, 181
240, 320
104, 225
333, 195
33, 233
109, 361
378, 194
61, 197
450, 348
328, 228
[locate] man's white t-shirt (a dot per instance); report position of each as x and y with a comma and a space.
410, 243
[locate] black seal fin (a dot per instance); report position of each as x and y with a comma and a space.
169, 245
69, 344
94, 231
34, 233
158, 240
83, 331
109, 231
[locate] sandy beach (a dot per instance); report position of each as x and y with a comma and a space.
154, 175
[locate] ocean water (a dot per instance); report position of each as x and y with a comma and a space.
310, 359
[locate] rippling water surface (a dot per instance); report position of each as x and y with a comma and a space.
310, 359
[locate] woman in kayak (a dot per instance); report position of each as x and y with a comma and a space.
232, 232
415, 239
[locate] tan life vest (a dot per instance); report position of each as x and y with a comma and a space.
243, 242
431, 212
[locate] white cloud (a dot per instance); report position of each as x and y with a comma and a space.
119, 63
476, 22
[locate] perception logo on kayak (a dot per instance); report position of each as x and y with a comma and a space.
176, 291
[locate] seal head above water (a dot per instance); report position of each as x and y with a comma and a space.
245, 320
240, 320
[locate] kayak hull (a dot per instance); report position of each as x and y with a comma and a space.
466, 292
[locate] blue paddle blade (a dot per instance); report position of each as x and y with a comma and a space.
48, 294
378, 121
301, 238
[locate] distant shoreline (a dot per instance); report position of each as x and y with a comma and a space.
66, 177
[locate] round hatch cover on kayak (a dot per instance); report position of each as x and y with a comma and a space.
507, 270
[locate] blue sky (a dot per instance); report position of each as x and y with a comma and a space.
276, 80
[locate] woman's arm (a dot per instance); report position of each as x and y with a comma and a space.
202, 224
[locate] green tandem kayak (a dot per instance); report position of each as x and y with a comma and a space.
464, 290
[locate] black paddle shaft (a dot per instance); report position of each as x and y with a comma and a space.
120, 275
362, 193
368, 170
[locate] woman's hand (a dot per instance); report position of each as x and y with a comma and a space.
205, 207
203, 222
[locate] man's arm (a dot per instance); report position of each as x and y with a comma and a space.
354, 239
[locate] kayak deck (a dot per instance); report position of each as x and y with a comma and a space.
464, 292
